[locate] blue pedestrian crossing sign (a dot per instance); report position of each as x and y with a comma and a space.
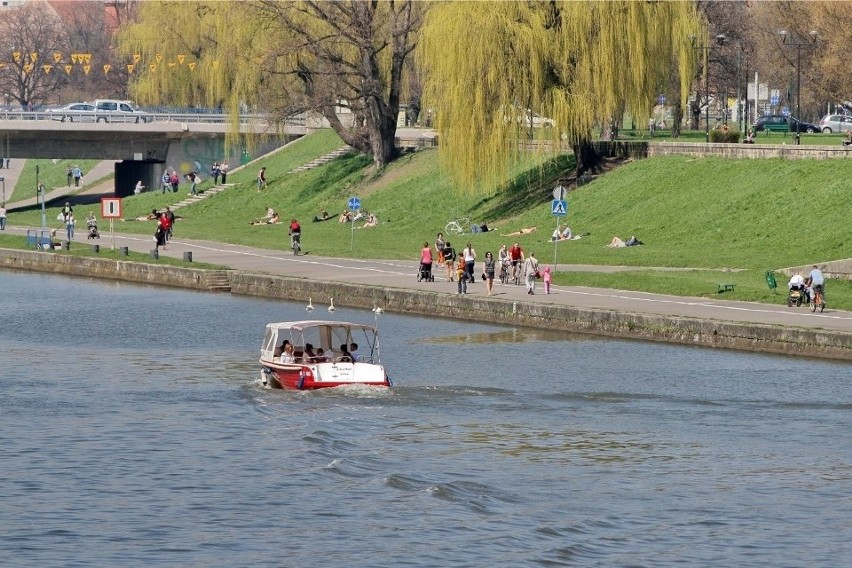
559, 207
354, 203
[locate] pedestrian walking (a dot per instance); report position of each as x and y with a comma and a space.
3, 217
461, 272
223, 169
167, 181
69, 226
489, 269
69, 174
78, 175
531, 271
261, 179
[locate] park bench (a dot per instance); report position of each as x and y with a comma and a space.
726, 287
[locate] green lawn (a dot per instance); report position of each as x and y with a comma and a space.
733, 220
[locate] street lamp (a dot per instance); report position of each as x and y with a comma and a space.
787, 39
720, 40
3, 181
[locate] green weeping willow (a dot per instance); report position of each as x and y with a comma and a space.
489, 65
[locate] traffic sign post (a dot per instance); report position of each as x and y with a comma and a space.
354, 205
559, 209
111, 209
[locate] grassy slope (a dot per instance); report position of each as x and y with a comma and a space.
706, 213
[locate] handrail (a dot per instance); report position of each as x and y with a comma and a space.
209, 118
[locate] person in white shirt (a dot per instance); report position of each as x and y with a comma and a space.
2, 217
139, 187
815, 281
469, 260
287, 356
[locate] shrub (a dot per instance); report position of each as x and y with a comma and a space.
725, 136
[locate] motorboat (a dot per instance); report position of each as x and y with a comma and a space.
317, 358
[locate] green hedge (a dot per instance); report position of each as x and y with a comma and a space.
725, 136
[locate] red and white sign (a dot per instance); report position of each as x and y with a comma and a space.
111, 207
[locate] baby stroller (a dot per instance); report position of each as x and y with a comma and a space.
425, 273
92, 227
796, 296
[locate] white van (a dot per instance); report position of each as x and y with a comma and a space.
110, 110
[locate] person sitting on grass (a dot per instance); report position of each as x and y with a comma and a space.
323, 216
274, 220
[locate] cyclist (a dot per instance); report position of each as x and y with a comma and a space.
295, 236
516, 255
815, 283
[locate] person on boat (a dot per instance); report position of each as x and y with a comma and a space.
353, 352
280, 349
345, 355
309, 354
288, 356
321, 358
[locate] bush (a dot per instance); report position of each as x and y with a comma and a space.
725, 136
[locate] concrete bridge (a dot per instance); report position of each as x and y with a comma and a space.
158, 140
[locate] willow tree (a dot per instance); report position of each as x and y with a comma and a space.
287, 57
576, 62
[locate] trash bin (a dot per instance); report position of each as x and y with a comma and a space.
770, 280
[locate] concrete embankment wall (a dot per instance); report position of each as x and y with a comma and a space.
670, 329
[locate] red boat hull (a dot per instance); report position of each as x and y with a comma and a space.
326, 375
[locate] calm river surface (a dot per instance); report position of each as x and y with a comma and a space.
133, 432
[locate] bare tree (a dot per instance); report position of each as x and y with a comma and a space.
348, 55
32, 33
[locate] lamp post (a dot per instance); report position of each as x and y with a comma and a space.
787, 39
3, 181
720, 40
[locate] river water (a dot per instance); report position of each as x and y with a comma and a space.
134, 432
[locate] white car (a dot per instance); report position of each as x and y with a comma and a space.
109, 110
835, 123
74, 112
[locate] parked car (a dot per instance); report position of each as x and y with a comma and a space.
109, 110
781, 123
835, 123
74, 112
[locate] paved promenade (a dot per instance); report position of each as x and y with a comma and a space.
403, 275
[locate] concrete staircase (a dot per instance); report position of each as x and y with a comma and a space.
217, 281
323, 159
191, 199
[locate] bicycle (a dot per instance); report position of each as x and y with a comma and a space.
516, 274
819, 300
457, 225
504, 273
296, 243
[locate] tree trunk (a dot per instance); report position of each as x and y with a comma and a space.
588, 158
677, 119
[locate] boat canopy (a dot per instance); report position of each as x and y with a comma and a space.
327, 335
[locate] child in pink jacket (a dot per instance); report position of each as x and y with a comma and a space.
546, 278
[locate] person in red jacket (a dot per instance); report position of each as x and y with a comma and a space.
295, 236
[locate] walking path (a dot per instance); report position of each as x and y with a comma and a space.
403, 275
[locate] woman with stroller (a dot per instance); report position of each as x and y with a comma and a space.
92, 226
426, 262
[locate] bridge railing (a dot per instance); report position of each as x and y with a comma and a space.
158, 116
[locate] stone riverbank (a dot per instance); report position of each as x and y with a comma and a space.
625, 325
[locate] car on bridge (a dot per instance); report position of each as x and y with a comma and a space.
74, 112
109, 110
